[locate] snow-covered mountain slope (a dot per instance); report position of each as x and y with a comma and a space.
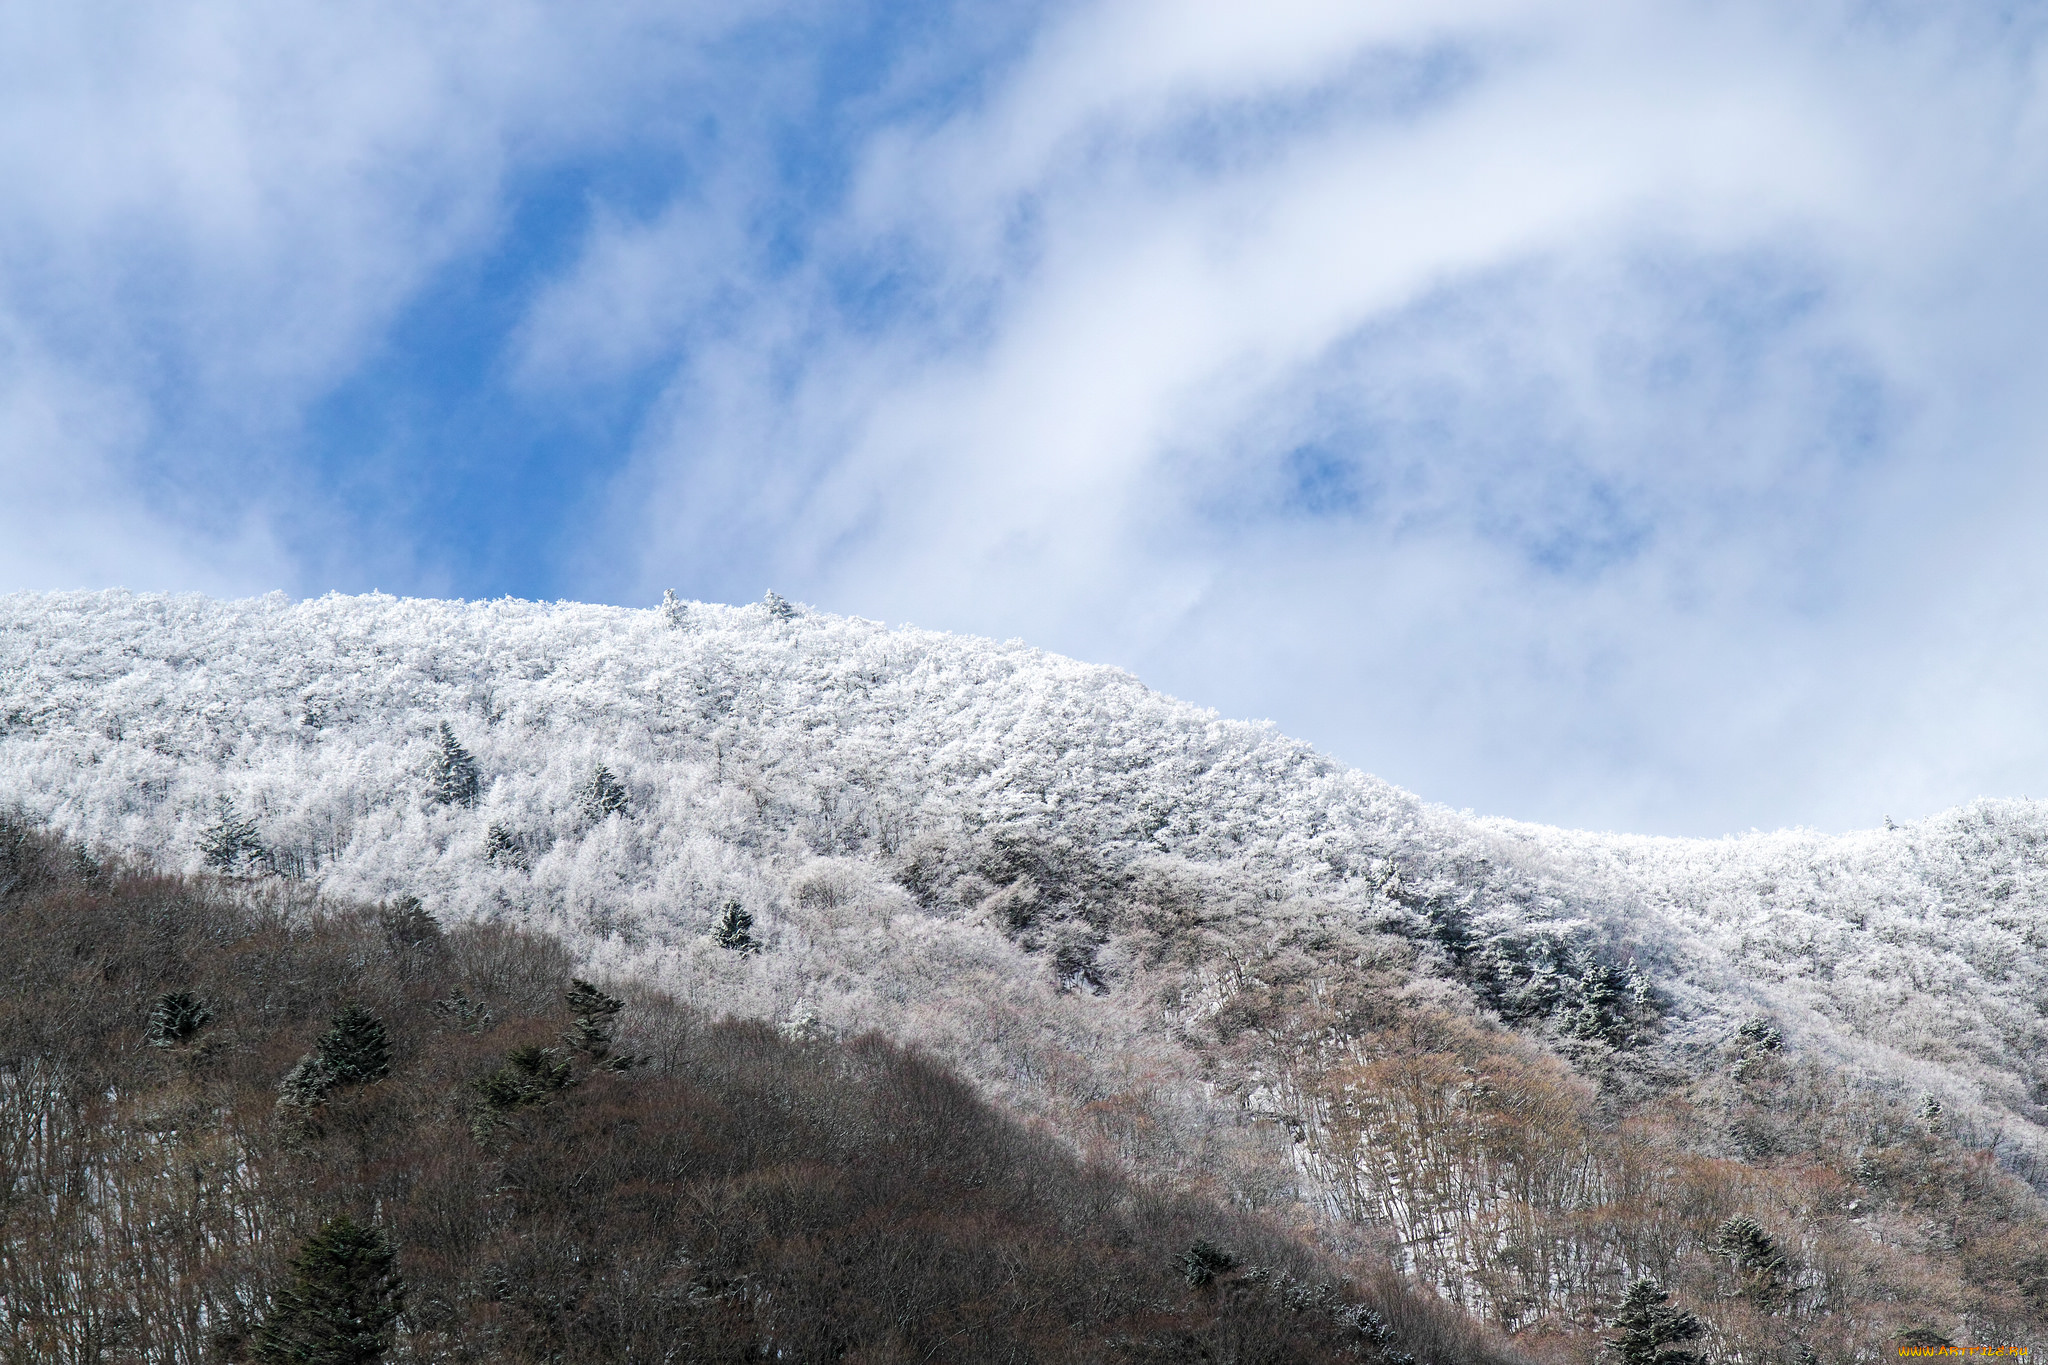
817, 768
1926, 941
740, 737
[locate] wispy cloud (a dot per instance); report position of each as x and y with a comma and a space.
1561, 408
216, 212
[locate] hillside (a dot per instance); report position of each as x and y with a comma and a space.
549, 1173
1182, 942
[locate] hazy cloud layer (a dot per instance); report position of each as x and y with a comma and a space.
1624, 415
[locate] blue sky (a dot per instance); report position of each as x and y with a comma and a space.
1620, 416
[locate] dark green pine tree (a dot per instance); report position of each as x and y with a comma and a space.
409, 926
1595, 1004
176, 1018
471, 1016
1452, 928
501, 845
340, 1306
1757, 1259
305, 1086
1647, 1323
530, 1075
1201, 1263
229, 844
453, 779
735, 929
603, 794
1760, 1035
591, 1034
355, 1050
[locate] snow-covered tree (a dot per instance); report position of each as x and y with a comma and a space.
735, 929
1646, 1323
354, 1050
452, 778
602, 794
979, 806
1758, 1034
501, 845
176, 1018
306, 1085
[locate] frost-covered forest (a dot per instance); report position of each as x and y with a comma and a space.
1044, 870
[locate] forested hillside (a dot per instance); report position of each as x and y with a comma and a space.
1530, 1066
244, 1127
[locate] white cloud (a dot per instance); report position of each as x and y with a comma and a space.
215, 210
70, 519
1652, 330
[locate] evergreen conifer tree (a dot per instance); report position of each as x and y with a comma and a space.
453, 779
305, 1086
1593, 1003
779, 607
735, 929
468, 1015
1647, 1323
1757, 1259
672, 609
1201, 1263
409, 926
355, 1050
341, 1304
1759, 1034
229, 843
176, 1018
603, 794
1452, 928
591, 1034
530, 1075
501, 845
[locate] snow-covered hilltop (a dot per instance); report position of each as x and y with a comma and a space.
761, 753
741, 737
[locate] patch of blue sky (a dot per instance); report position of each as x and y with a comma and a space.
1582, 528
882, 281
839, 75
1730, 310
433, 441
1320, 480
430, 441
